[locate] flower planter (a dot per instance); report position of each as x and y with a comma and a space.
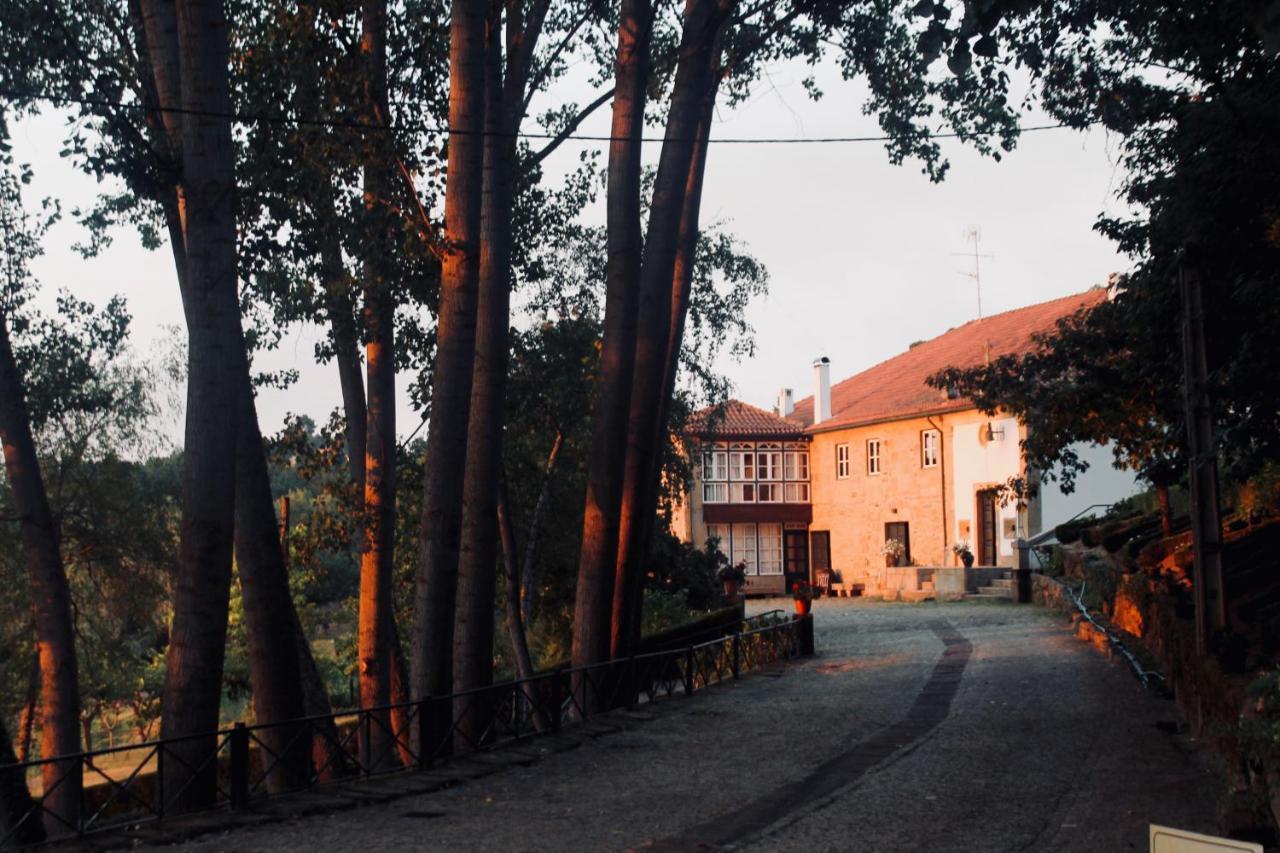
802, 606
730, 589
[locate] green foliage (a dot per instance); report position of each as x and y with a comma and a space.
682, 567
1259, 730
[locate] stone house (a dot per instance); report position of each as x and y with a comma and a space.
826, 481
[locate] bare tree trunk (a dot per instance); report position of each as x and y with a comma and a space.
528, 570
672, 223
593, 601
511, 573
274, 667
50, 599
27, 719
19, 817
193, 676
436, 581
477, 561
378, 522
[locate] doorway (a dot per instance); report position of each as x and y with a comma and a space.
987, 527
795, 544
900, 531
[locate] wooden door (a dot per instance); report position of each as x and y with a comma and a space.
795, 556
902, 532
987, 527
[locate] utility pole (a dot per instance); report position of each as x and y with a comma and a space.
974, 235
1206, 521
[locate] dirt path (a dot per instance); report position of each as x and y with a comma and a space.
967, 727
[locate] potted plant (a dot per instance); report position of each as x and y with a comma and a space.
961, 550
802, 595
732, 577
893, 550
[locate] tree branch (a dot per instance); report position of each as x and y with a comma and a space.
573, 125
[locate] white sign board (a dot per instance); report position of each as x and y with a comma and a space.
1164, 839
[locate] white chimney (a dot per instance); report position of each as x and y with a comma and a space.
786, 402
821, 390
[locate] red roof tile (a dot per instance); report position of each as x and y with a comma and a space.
736, 419
896, 388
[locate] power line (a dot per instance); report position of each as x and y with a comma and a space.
351, 124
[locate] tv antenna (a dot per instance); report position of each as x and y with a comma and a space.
974, 235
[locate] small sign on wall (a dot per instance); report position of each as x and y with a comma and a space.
964, 529
1165, 839
1010, 528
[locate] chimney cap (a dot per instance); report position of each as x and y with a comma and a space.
821, 361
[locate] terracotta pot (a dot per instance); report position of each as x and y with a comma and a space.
802, 606
731, 588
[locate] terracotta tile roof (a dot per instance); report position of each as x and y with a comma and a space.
736, 419
896, 389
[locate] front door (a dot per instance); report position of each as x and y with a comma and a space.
900, 531
796, 556
987, 527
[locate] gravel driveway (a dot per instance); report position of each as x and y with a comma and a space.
965, 726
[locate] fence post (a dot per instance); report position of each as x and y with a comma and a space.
688, 671
806, 635
737, 648
557, 697
424, 734
239, 766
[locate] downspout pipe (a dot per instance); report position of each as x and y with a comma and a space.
942, 482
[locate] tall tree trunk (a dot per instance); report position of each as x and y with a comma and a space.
650, 415
436, 580
193, 672
672, 223
274, 666
377, 553
528, 569
50, 599
477, 562
19, 817
27, 719
511, 574
593, 601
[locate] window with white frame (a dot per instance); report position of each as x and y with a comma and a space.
720, 533
744, 547
769, 462
796, 493
742, 493
715, 493
742, 462
796, 465
873, 456
770, 549
842, 461
769, 493
929, 448
715, 463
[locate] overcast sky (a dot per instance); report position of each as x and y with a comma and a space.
864, 256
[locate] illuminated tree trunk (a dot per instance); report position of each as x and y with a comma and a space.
593, 601
188, 53
477, 563
50, 599
27, 719
650, 415
436, 580
672, 229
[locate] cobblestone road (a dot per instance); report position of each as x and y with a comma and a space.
948, 727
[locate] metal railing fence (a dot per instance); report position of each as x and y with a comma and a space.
128, 785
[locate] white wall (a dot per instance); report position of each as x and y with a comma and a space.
1101, 484
978, 464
